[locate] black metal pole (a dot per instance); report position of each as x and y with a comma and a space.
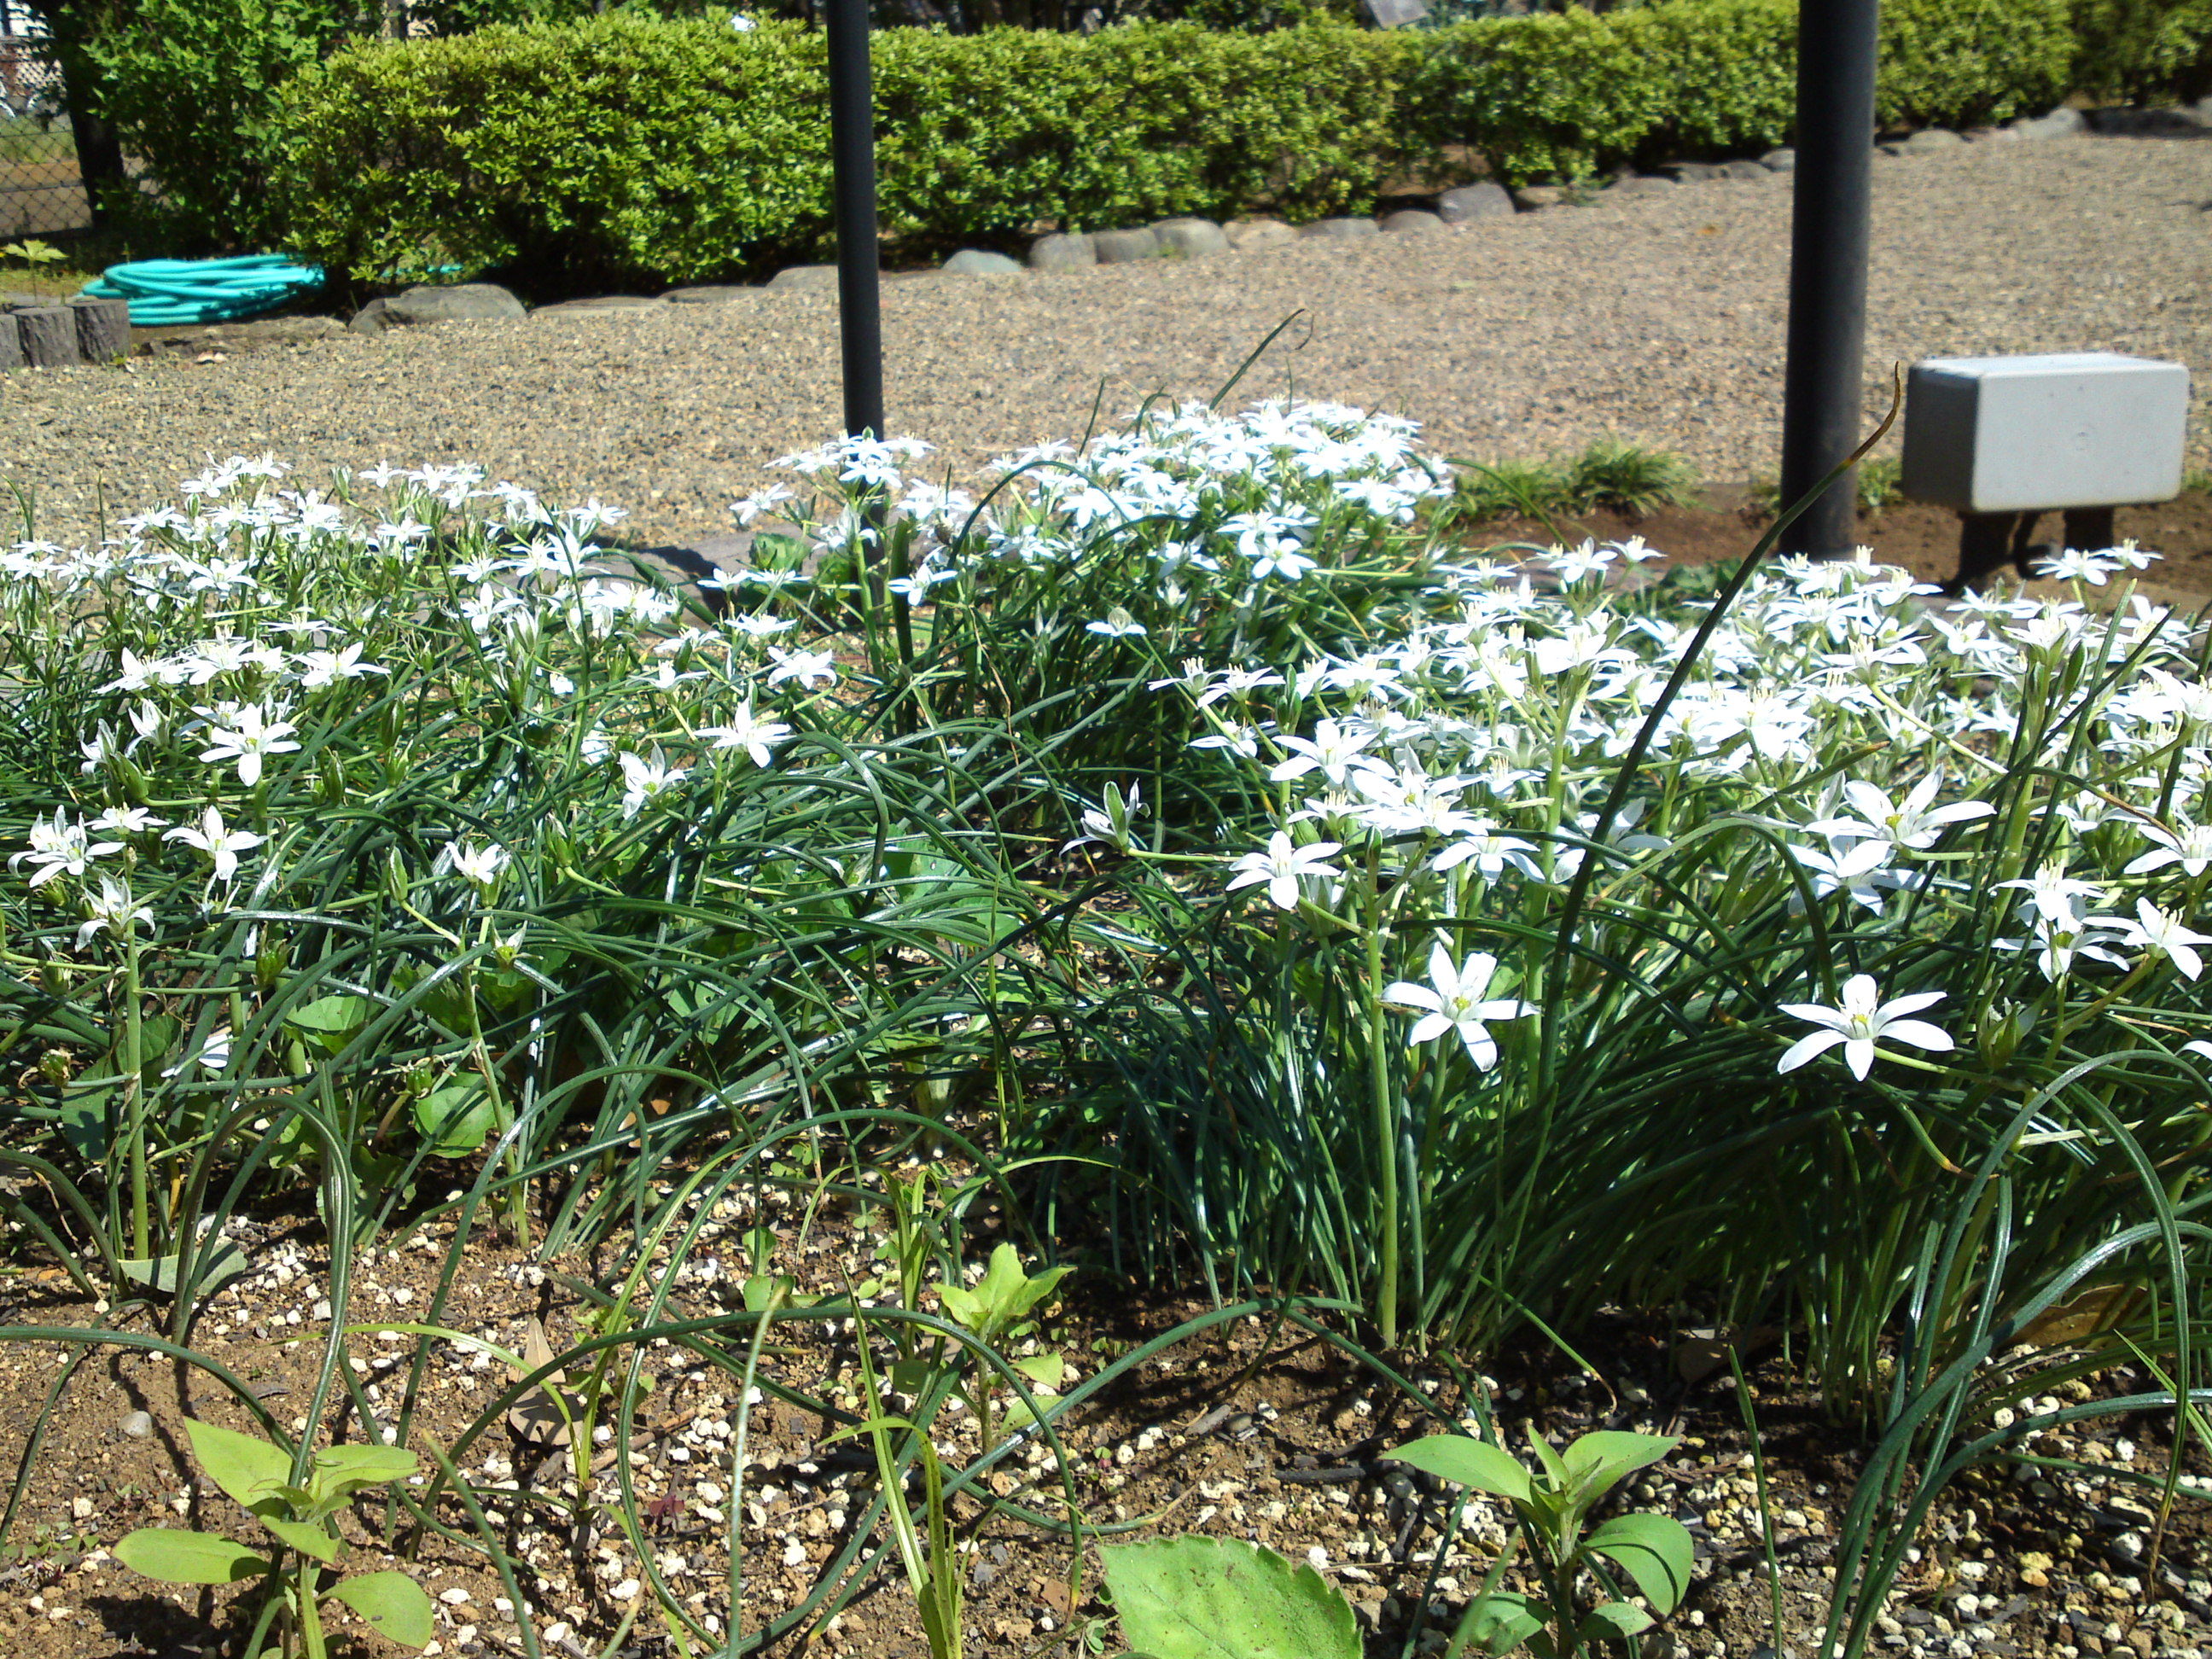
1830, 234
853, 166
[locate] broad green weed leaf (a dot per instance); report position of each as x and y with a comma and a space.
159, 1274
455, 1120
1220, 1598
1616, 1452
1003, 1296
1047, 1371
82, 1119
246, 1465
176, 1556
393, 1604
1655, 1550
341, 1471
1467, 1463
1615, 1621
301, 1535
332, 1021
1502, 1622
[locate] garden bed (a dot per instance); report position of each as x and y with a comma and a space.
1247, 1430
1359, 951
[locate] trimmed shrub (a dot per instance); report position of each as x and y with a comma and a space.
2143, 49
1965, 62
626, 148
1555, 94
979, 137
193, 87
595, 151
1568, 94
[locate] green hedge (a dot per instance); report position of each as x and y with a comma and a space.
626, 148
2143, 49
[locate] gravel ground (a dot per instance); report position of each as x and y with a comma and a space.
1658, 318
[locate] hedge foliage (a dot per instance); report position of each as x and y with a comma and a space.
630, 148
2143, 49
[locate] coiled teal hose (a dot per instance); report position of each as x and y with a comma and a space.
163, 292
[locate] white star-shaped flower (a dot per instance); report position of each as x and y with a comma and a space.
1860, 1021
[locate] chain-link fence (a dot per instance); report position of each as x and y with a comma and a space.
40, 190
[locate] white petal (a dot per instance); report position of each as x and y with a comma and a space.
1407, 994
1919, 1033
1817, 1015
1911, 1005
1479, 1048
1858, 1055
1806, 1048
1428, 1028
1443, 973
1960, 813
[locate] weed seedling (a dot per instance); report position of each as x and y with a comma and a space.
260, 1476
1552, 1501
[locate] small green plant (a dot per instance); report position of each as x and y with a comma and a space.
997, 1312
1551, 1503
934, 1571
262, 1477
33, 252
1221, 1598
1629, 478
1623, 477
2197, 481
1501, 489
1881, 483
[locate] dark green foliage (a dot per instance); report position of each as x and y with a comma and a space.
1967, 63
1569, 95
631, 146
193, 87
626, 146
2143, 49
615, 146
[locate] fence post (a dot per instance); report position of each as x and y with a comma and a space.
1830, 233
853, 166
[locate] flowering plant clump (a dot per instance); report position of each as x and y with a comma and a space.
457, 828
1191, 537
1471, 936
1989, 808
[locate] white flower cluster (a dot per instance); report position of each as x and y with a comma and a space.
1215, 504
216, 642
1840, 718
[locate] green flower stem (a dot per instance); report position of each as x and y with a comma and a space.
1386, 1114
134, 1098
311, 1617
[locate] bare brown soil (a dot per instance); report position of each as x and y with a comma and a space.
1250, 1431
